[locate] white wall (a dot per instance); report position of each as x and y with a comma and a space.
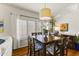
70, 15
10, 15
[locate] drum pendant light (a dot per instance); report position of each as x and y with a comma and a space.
45, 13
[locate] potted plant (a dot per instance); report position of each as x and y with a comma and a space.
45, 31
77, 42
52, 24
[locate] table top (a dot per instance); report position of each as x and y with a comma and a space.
47, 40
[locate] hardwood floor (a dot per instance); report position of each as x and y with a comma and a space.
20, 52
73, 53
24, 51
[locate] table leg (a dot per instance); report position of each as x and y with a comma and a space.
44, 49
61, 50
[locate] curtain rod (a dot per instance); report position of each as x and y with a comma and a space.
29, 17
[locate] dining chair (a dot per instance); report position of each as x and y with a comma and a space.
37, 47
33, 47
67, 43
71, 41
56, 49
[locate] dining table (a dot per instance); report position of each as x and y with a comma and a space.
47, 40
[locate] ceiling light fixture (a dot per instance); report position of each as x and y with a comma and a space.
45, 13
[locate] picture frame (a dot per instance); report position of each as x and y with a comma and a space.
64, 27
1, 26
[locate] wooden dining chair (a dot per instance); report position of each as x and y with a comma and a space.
66, 44
36, 46
55, 49
71, 40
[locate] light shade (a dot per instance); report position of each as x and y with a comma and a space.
45, 14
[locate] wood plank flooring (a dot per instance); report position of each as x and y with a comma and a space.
20, 52
24, 51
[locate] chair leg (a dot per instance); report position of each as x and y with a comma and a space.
34, 52
66, 52
30, 52
38, 52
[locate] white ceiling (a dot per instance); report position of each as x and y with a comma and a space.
35, 7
